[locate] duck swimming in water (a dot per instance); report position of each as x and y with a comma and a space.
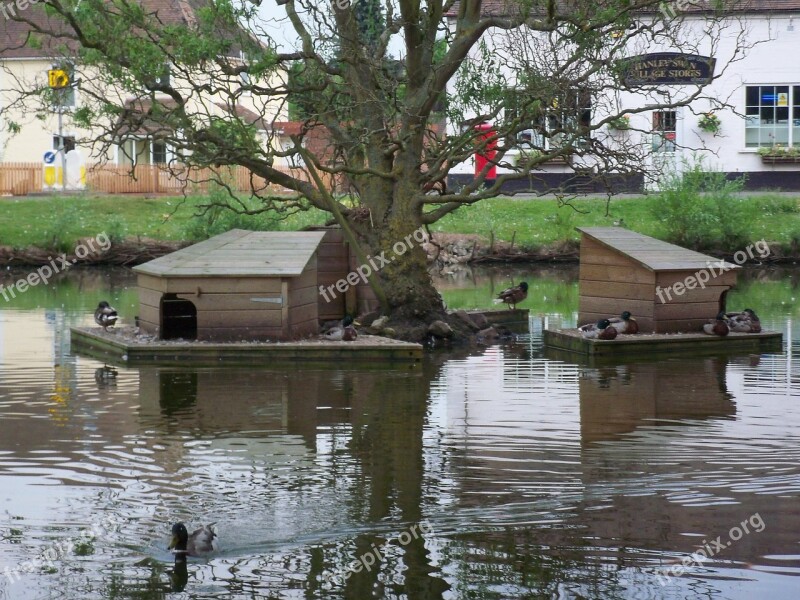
200, 543
105, 315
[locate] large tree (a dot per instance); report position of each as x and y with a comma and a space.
546, 74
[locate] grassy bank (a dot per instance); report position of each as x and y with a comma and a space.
56, 223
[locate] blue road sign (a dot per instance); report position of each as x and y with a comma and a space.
49, 158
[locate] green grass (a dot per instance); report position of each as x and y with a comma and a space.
535, 222
56, 223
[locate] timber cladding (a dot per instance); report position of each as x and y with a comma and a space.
657, 282
240, 285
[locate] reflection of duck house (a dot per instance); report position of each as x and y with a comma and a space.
245, 285
656, 281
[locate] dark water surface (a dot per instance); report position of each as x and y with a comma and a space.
486, 473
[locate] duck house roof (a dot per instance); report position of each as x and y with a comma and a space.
651, 253
240, 253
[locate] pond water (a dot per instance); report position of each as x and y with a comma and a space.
486, 473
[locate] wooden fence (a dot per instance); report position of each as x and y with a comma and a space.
19, 179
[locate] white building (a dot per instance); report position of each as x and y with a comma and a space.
755, 98
26, 132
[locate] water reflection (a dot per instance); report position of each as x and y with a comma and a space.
540, 477
617, 399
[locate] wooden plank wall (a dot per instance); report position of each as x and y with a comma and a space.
333, 264
336, 260
150, 291
234, 308
304, 302
611, 283
691, 310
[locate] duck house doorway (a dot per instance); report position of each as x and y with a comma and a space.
178, 318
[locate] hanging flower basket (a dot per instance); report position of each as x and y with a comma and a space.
710, 123
622, 123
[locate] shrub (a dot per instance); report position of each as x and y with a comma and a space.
211, 217
700, 209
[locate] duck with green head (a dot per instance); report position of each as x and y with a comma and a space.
717, 327
199, 543
625, 323
602, 330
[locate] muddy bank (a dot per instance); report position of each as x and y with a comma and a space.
128, 252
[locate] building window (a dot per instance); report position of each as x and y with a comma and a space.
159, 152
665, 126
566, 122
140, 151
69, 143
772, 116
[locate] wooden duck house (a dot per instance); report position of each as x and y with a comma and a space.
240, 285
665, 287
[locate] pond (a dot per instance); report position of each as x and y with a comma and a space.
486, 473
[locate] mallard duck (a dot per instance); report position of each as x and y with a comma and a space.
602, 330
744, 322
200, 543
717, 327
105, 315
625, 323
344, 332
513, 295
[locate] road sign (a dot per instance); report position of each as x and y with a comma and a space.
58, 78
49, 158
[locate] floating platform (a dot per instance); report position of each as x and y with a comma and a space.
645, 344
123, 347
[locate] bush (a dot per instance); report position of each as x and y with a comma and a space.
211, 217
701, 209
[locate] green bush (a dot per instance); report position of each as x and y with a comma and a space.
700, 209
211, 216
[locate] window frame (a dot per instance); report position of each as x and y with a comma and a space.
662, 129
569, 114
764, 129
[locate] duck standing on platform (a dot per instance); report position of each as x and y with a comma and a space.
744, 322
625, 323
344, 332
602, 330
717, 327
200, 543
105, 315
513, 295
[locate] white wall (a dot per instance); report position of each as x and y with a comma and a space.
772, 59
